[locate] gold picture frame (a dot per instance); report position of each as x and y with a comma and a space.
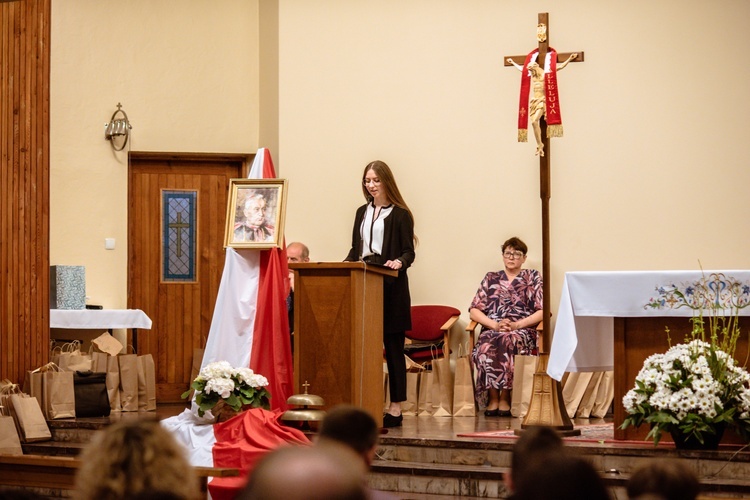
256, 210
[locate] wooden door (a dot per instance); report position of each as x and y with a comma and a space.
177, 206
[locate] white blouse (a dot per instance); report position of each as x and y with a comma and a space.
372, 230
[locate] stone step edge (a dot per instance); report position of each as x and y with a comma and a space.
493, 473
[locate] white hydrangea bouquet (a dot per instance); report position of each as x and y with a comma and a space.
695, 390
226, 391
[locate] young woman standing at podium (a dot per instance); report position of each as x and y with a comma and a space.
383, 234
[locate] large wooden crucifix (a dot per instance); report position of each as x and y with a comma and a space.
546, 407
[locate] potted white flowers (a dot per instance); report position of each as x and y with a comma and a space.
226, 391
695, 390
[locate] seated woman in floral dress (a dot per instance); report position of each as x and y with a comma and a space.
508, 305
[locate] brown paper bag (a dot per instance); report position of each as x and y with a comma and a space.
573, 390
72, 359
605, 395
524, 367
424, 394
107, 343
146, 383
103, 362
6, 389
128, 367
54, 354
10, 444
30, 419
442, 387
589, 396
463, 386
33, 384
58, 399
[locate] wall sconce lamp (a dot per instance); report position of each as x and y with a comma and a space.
117, 131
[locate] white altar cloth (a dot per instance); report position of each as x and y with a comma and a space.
94, 319
584, 330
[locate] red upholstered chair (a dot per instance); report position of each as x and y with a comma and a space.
430, 332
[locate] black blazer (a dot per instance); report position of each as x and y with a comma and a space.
398, 243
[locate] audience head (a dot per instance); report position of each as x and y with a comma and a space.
297, 252
536, 441
134, 457
326, 471
668, 479
352, 427
561, 476
515, 243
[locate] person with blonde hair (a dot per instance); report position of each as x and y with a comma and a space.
135, 458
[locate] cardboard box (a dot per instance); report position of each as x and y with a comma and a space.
67, 287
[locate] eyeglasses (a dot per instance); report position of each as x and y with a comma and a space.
371, 181
512, 255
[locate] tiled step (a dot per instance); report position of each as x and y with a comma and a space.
475, 468
438, 479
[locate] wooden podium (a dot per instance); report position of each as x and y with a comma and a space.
338, 333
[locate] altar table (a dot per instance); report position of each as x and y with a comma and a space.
615, 320
583, 338
101, 319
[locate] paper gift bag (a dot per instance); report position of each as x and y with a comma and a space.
58, 399
107, 343
442, 387
463, 386
128, 367
29, 418
72, 359
10, 444
573, 390
103, 362
91, 394
589, 396
605, 395
524, 367
146, 383
424, 392
32, 384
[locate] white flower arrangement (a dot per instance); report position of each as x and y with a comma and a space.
695, 388
219, 384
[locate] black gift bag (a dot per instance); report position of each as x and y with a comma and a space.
91, 394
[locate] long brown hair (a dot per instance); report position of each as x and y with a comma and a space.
387, 182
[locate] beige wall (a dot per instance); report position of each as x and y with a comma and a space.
186, 73
651, 173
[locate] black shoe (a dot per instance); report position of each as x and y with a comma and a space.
503, 413
492, 413
392, 420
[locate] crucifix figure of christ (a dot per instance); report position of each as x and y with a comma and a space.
546, 406
538, 107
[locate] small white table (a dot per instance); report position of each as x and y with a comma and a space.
584, 330
101, 319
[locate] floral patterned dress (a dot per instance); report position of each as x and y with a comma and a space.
493, 354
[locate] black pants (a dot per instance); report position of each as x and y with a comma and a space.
396, 362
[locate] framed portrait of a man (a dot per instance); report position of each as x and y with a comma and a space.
255, 213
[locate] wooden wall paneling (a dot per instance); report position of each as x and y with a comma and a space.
24, 186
